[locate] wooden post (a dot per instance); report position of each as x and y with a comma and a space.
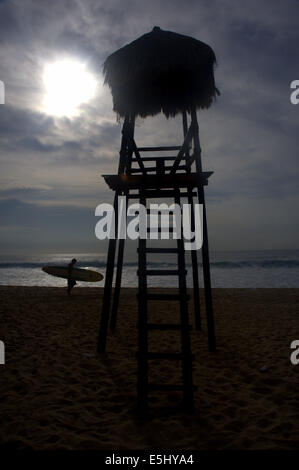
102, 336
185, 338
142, 374
196, 298
205, 246
121, 243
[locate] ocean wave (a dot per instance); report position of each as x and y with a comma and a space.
22, 265
265, 263
81, 264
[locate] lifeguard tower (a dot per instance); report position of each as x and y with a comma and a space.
161, 72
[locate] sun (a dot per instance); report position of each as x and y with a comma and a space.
68, 84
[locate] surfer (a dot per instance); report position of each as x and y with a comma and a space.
70, 281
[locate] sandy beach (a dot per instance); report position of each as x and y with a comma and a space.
56, 394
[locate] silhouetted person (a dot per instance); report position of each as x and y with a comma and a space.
70, 280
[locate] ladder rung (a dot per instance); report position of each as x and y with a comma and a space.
160, 250
158, 149
167, 297
162, 272
149, 168
169, 356
154, 168
169, 387
154, 159
166, 326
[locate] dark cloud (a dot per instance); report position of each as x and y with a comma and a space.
9, 24
15, 121
28, 133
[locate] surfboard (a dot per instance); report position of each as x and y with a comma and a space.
78, 274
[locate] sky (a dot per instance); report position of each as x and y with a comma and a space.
51, 166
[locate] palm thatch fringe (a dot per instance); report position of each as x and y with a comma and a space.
163, 72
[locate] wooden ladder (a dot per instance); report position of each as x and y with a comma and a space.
144, 327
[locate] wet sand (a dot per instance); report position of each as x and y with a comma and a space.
56, 394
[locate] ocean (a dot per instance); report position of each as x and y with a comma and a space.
238, 269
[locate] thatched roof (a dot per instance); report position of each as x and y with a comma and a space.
161, 71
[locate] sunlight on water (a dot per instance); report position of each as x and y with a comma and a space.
228, 269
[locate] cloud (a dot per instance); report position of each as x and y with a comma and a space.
22, 191
249, 137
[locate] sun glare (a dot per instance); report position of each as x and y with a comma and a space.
68, 84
